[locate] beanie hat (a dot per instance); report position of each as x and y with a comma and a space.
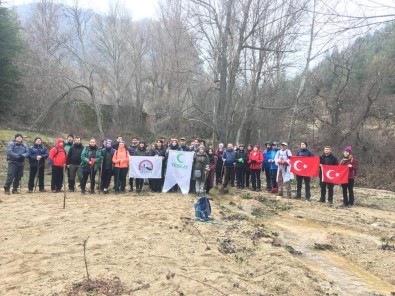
348, 149
18, 135
109, 141
304, 143
221, 145
241, 145
202, 147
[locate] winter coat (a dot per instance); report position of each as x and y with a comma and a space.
328, 159
141, 152
67, 146
271, 156
304, 152
38, 150
132, 150
219, 153
17, 153
212, 167
352, 172
87, 155
58, 154
200, 163
266, 156
255, 160
107, 154
241, 158
74, 155
184, 148
229, 158
121, 158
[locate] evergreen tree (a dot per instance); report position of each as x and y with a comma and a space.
10, 46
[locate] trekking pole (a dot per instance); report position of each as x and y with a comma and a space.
64, 187
38, 172
92, 179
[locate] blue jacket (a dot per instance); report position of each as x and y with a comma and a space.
271, 156
17, 152
38, 150
229, 158
266, 156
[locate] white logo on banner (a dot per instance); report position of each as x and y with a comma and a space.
178, 171
145, 167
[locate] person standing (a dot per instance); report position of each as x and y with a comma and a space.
57, 156
90, 163
160, 151
74, 163
220, 164
120, 160
116, 144
68, 143
299, 179
327, 159
248, 170
212, 158
241, 165
266, 165
284, 174
273, 167
229, 158
37, 156
199, 172
255, 160
17, 151
348, 189
141, 151
107, 166
132, 152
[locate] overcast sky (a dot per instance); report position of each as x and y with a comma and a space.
138, 8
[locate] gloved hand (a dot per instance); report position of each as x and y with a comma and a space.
240, 160
21, 157
92, 162
253, 161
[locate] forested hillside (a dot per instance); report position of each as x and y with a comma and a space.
230, 71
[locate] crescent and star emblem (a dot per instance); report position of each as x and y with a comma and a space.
328, 174
296, 165
179, 157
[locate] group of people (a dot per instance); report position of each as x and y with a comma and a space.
238, 166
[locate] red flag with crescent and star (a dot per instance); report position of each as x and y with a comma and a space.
335, 174
306, 166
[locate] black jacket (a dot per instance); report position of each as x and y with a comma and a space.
74, 156
328, 159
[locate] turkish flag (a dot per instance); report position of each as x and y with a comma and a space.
306, 166
335, 174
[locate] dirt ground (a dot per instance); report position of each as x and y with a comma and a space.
257, 244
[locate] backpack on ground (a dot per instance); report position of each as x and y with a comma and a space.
202, 208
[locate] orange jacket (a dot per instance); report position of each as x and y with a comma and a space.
121, 158
58, 154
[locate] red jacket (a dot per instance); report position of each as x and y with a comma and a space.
255, 160
58, 154
352, 171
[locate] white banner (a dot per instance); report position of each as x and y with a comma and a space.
178, 171
149, 167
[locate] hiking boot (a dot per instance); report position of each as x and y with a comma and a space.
92, 192
105, 191
43, 190
330, 204
71, 189
30, 191
298, 197
83, 192
53, 191
7, 192
15, 191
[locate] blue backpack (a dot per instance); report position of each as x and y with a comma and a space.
202, 208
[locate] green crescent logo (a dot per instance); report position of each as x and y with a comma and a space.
178, 157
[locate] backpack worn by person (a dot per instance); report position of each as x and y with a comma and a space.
50, 161
202, 208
